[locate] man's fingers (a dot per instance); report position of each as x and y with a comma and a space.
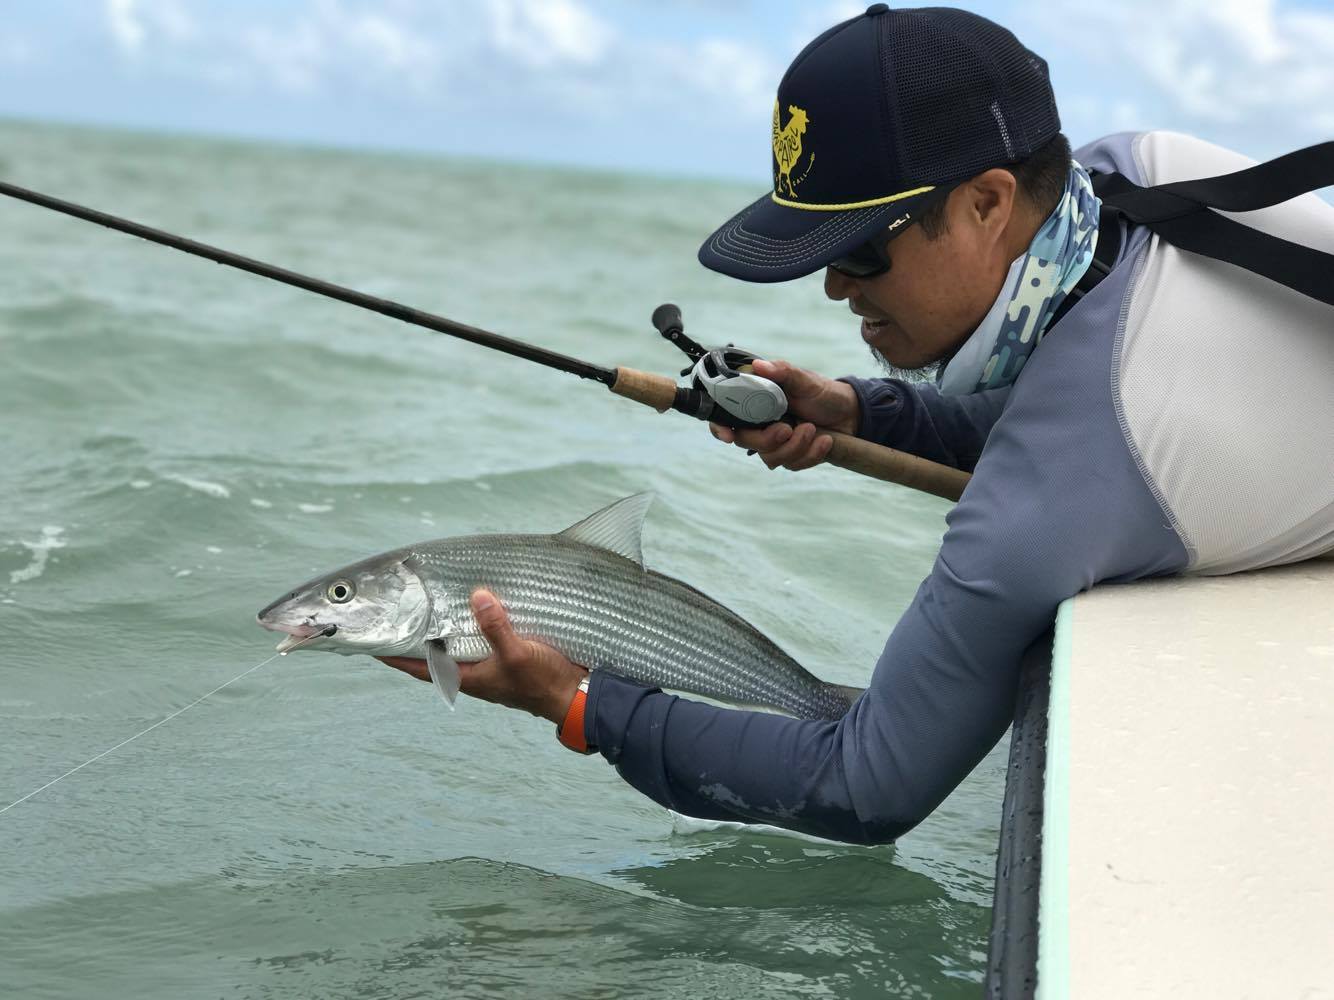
412, 667
807, 448
723, 434
781, 444
764, 439
814, 455
494, 622
477, 680
474, 678
795, 449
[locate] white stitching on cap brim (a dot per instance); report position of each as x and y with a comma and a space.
831, 229
736, 238
733, 240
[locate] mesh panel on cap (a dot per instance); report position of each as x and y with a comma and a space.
966, 93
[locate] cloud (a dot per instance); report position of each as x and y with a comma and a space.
659, 87
1110, 112
392, 45
293, 57
300, 48
334, 46
739, 76
1238, 69
542, 33
125, 27
557, 58
132, 22
1251, 74
813, 20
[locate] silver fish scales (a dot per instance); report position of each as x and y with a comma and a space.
585, 591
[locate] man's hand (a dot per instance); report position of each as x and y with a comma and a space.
519, 673
828, 404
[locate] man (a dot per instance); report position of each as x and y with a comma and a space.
918, 160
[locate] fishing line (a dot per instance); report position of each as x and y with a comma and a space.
173, 715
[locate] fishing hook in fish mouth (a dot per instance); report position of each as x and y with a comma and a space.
324, 633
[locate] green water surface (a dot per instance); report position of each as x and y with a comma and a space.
181, 442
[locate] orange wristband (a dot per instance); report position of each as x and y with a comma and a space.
571, 731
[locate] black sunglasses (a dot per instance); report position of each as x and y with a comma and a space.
870, 260
866, 261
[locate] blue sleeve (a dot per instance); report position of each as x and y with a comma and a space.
943, 690
917, 418
1057, 504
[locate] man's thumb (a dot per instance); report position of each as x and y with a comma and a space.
494, 622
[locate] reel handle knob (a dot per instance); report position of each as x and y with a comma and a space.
667, 319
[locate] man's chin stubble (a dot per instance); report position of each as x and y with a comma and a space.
922, 374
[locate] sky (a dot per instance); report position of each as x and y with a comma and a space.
681, 87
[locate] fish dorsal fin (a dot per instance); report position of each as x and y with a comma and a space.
617, 528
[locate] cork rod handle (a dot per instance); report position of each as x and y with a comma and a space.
848, 452
657, 391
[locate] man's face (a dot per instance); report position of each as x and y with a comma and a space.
937, 291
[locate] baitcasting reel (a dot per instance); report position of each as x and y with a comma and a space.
722, 389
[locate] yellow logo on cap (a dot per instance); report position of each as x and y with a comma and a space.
787, 149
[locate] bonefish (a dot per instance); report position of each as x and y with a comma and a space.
584, 591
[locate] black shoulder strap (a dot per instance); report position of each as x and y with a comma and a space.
1104, 256
1182, 213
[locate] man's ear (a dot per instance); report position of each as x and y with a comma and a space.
991, 199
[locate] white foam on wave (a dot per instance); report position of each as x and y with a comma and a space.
139, 484
216, 490
260, 503
683, 824
41, 551
314, 508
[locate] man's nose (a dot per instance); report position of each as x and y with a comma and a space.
838, 286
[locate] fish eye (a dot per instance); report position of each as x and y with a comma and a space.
341, 591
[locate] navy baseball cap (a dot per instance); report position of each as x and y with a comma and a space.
876, 119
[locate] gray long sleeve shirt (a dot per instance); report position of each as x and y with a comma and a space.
1060, 500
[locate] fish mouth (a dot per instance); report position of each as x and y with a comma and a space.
295, 635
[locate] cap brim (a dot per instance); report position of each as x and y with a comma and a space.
772, 242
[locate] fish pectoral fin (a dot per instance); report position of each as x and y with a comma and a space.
444, 670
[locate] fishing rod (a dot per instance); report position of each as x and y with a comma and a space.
723, 388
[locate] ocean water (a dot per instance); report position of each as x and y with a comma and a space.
179, 442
